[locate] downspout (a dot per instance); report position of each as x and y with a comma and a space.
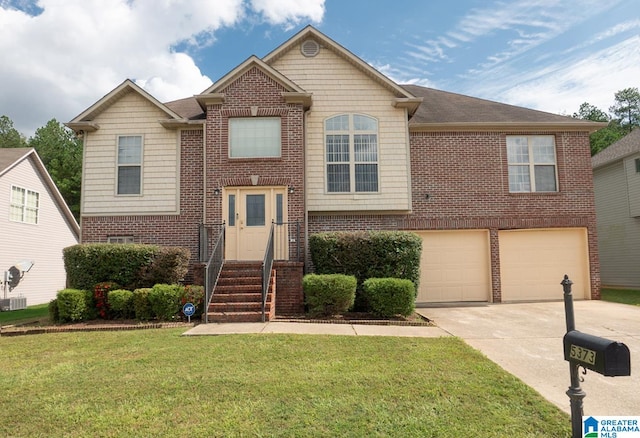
304, 197
204, 172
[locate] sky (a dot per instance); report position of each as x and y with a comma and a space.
58, 57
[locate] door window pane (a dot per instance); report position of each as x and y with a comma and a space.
232, 210
255, 211
279, 208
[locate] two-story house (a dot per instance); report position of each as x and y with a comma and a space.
313, 137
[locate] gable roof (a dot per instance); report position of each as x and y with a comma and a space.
11, 157
309, 32
627, 145
442, 110
85, 120
212, 95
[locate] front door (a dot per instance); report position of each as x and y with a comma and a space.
249, 212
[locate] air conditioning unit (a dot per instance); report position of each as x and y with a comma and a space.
17, 303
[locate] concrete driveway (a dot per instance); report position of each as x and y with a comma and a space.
526, 340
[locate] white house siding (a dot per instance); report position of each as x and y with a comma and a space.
618, 231
337, 88
633, 185
131, 115
42, 243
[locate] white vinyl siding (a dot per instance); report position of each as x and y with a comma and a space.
339, 88
532, 163
24, 205
255, 137
131, 115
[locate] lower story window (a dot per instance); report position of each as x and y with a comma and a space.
120, 239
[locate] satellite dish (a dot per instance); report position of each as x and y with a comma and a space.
14, 277
15, 273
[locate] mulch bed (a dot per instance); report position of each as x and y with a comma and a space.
414, 319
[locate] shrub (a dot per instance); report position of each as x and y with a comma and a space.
100, 295
195, 295
388, 297
120, 303
329, 294
54, 315
170, 264
71, 305
165, 300
141, 304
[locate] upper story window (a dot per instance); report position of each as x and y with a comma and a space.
532, 163
254, 137
129, 165
351, 142
24, 206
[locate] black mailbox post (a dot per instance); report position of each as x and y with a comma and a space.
601, 355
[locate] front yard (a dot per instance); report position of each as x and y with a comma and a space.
157, 383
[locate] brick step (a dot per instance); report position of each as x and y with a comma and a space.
238, 289
254, 273
238, 307
234, 298
235, 317
231, 281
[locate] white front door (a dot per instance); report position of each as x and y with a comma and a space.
249, 213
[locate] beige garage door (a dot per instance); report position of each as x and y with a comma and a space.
455, 266
533, 263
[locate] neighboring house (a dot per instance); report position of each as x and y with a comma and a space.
616, 176
36, 226
312, 135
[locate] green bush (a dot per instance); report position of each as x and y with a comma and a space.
90, 300
194, 294
169, 266
388, 297
329, 294
141, 304
367, 254
54, 315
166, 301
120, 303
72, 305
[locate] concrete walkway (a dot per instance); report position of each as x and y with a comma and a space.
526, 340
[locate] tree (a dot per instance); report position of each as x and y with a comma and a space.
602, 138
61, 152
627, 108
9, 136
591, 112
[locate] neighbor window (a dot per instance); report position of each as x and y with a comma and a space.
532, 163
254, 137
351, 145
120, 239
24, 205
129, 165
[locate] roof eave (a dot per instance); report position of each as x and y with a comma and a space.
82, 126
181, 123
506, 126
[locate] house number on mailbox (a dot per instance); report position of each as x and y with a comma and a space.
582, 354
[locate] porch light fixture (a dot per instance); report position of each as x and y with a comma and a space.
216, 191
291, 190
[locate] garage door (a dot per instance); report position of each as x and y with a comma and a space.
533, 263
455, 266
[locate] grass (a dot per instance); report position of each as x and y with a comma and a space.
624, 296
158, 383
39, 312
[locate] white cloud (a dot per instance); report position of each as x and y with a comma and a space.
60, 56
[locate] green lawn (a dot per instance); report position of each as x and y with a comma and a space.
39, 312
624, 296
151, 383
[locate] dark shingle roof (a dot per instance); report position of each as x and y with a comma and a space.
9, 156
627, 145
189, 108
445, 107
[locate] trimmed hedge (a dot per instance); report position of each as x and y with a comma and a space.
141, 304
120, 303
54, 314
72, 305
165, 301
194, 294
389, 297
129, 265
329, 294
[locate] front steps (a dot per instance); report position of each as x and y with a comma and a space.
238, 294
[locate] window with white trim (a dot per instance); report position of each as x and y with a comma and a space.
351, 147
532, 163
254, 137
24, 205
120, 239
129, 165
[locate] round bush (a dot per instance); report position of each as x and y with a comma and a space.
120, 303
72, 305
166, 300
141, 304
389, 297
329, 294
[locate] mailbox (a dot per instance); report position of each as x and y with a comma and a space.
601, 355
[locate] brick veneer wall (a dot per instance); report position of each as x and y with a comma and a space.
289, 295
465, 176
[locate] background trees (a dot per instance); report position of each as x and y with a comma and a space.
60, 151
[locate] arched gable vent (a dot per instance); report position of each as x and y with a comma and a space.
310, 48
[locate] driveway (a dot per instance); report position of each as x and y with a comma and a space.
526, 340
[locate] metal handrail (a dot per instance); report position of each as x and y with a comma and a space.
267, 266
212, 270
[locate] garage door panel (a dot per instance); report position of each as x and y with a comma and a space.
533, 262
455, 266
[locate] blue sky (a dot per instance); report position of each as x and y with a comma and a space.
60, 56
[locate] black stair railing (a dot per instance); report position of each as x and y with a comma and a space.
212, 271
267, 266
